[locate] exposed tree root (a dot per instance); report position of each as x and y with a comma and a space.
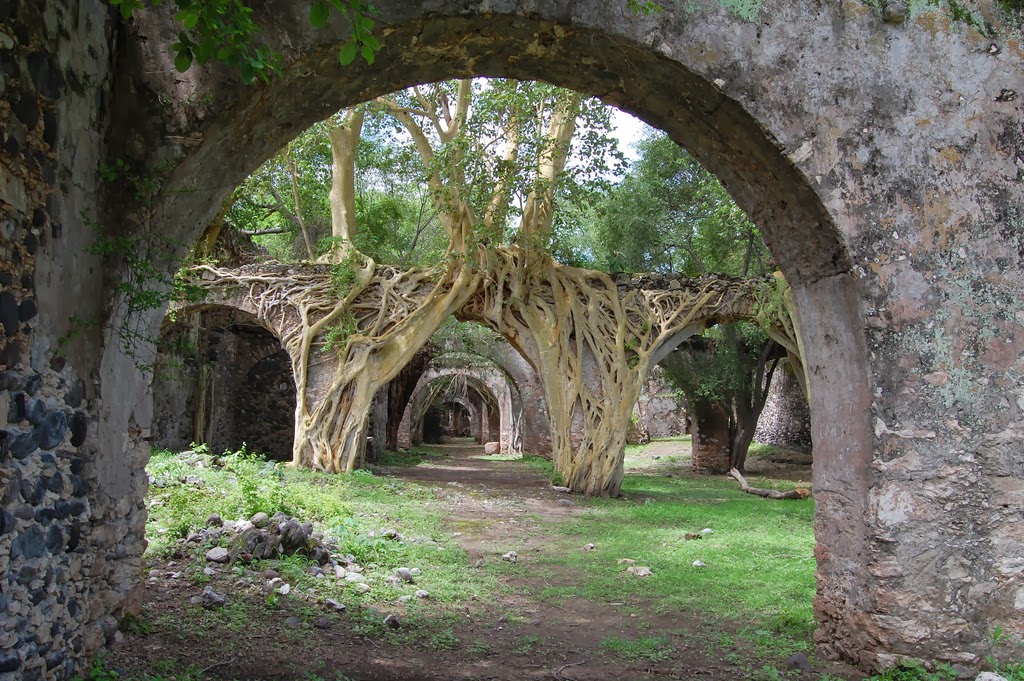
798, 493
590, 336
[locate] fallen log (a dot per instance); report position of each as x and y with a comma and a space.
798, 493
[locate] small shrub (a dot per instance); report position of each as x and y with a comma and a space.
260, 483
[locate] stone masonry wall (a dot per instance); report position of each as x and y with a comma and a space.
71, 513
786, 418
250, 391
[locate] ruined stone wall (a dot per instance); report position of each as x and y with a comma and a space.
71, 488
247, 378
536, 433
786, 418
880, 157
661, 406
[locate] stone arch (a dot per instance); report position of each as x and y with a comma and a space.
224, 380
488, 382
883, 156
790, 139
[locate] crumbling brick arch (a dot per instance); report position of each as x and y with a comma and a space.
789, 138
492, 385
223, 379
880, 159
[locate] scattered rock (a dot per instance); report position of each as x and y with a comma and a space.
563, 490
479, 563
218, 554
511, 556
492, 448
989, 676
707, 530
416, 572
361, 587
284, 589
405, 574
212, 600
798, 661
698, 563
335, 605
392, 621
293, 622
404, 599
566, 502
322, 623
354, 577
260, 520
270, 574
639, 571
422, 593
392, 535
209, 571
590, 547
626, 561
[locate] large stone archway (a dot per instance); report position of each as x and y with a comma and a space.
880, 159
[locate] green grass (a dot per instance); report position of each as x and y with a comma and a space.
412, 457
544, 467
352, 508
759, 564
649, 648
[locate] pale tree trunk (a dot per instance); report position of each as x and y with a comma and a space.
538, 212
591, 346
334, 430
299, 219
448, 183
344, 138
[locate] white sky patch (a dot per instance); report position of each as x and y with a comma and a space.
628, 130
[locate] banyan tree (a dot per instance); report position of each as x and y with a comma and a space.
495, 160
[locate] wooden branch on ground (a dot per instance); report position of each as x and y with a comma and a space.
797, 493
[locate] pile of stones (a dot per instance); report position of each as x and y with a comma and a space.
262, 537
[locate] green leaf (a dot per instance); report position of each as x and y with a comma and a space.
188, 18
183, 60
372, 42
248, 74
367, 53
347, 53
318, 14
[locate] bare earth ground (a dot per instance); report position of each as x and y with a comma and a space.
494, 506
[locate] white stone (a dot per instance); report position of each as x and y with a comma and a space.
989, 676
218, 554
1018, 602
285, 589
422, 593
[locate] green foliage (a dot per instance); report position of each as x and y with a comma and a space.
260, 483
644, 7
97, 671
669, 214
913, 670
224, 30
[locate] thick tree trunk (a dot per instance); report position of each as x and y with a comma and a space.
709, 423
344, 138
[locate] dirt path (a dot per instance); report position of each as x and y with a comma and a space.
493, 506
